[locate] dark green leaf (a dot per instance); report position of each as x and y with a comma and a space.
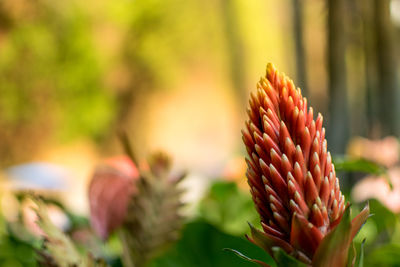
343, 163
384, 220
228, 208
202, 245
385, 255
285, 260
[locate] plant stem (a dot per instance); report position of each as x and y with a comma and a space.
127, 255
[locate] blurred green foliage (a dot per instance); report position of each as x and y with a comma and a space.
49, 69
71, 70
228, 208
344, 163
221, 223
14, 251
202, 245
386, 256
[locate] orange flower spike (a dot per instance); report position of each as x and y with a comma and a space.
290, 171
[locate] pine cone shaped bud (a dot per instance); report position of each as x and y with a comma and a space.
153, 217
290, 172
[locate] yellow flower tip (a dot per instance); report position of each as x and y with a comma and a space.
270, 69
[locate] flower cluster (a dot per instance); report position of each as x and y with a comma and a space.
290, 172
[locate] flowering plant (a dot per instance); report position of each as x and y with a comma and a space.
292, 179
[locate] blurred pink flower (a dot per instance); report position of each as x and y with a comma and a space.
111, 188
378, 188
384, 151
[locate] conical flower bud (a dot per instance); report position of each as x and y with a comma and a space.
153, 217
144, 203
290, 172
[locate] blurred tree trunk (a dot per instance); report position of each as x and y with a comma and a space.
338, 122
387, 69
301, 68
355, 59
369, 66
235, 50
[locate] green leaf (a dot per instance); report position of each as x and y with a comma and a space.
202, 244
241, 255
359, 221
361, 257
347, 164
384, 220
216, 208
385, 255
344, 163
283, 259
352, 256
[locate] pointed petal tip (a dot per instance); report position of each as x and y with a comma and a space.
359, 220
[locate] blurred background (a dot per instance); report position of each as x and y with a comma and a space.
175, 75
